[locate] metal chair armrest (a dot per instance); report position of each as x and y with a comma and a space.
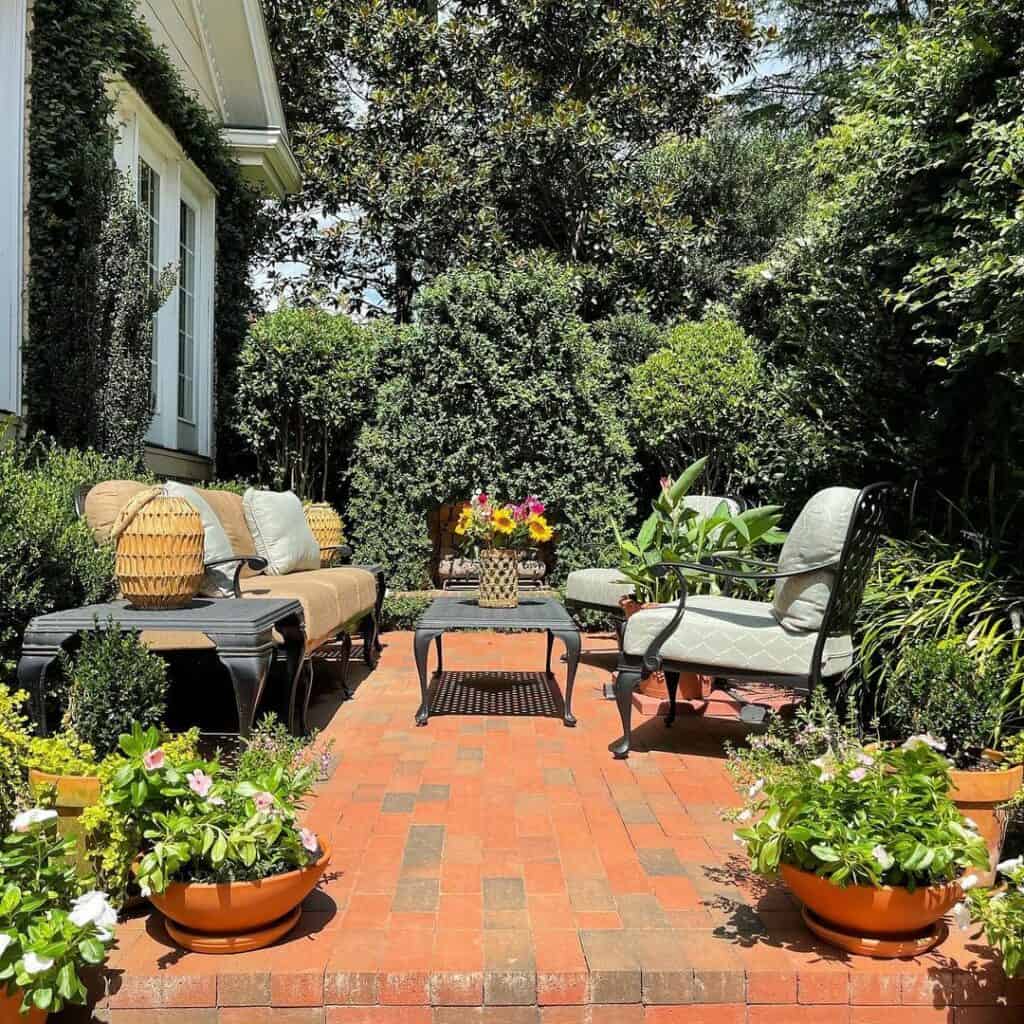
254, 562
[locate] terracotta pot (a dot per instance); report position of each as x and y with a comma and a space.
979, 796
691, 685
74, 794
9, 1007
865, 918
233, 917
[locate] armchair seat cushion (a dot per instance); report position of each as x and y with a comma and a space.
330, 598
602, 588
726, 633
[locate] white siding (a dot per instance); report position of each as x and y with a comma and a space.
12, 102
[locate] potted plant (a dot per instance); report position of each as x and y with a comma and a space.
49, 928
870, 843
495, 533
675, 531
941, 689
223, 856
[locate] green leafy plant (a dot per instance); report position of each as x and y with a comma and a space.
113, 681
199, 824
402, 611
15, 743
61, 754
49, 928
939, 688
1000, 912
868, 816
271, 745
677, 532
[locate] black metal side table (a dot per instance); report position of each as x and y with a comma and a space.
448, 614
241, 631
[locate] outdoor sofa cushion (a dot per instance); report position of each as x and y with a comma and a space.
602, 588
817, 536
218, 581
279, 528
330, 598
731, 633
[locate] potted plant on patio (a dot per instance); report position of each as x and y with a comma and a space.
496, 533
223, 856
940, 689
1000, 912
49, 928
870, 843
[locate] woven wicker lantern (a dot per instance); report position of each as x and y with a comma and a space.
159, 560
327, 528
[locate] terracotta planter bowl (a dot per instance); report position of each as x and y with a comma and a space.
881, 922
9, 1007
232, 917
978, 796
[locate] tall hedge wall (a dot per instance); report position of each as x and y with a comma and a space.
498, 384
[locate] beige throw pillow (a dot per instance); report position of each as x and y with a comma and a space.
279, 529
219, 581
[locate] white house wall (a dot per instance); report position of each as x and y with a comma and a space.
12, 154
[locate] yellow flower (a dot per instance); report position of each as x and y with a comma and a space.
503, 521
539, 529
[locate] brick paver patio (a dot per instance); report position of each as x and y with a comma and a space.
505, 869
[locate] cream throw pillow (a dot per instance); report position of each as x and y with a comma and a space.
279, 528
218, 582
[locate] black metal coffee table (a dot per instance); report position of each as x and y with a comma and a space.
241, 631
450, 614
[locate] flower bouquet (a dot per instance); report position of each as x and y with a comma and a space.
495, 533
223, 855
49, 928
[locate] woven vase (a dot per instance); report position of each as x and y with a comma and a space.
499, 578
327, 527
159, 560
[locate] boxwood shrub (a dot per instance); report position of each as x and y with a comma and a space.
500, 384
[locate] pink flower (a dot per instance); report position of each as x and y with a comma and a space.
481, 499
520, 512
535, 506
858, 773
153, 759
309, 840
199, 782
264, 801
666, 482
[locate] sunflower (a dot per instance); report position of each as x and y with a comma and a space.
503, 520
539, 529
465, 521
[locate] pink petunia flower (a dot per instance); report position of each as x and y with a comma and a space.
264, 801
535, 506
666, 482
481, 499
309, 840
199, 782
153, 760
858, 774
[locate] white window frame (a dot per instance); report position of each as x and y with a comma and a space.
144, 136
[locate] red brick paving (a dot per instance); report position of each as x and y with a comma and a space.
508, 871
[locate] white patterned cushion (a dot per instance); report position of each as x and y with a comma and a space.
599, 587
730, 633
817, 536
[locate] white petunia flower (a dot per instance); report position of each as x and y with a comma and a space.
924, 740
968, 882
826, 776
744, 815
883, 856
1006, 866
755, 788
5, 941
971, 824
93, 908
36, 964
33, 816
962, 916
739, 839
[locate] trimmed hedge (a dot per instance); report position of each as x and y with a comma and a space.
498, 384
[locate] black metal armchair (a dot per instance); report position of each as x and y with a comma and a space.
800, 638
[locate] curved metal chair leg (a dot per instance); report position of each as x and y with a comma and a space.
672, 684
626, 682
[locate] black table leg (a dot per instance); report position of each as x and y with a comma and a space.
551, 643
421, 649
440, 652
32, 669
571, 639
298, 691
248, 676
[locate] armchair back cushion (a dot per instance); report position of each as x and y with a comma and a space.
278, 525
104, 502
218, 581
818, 535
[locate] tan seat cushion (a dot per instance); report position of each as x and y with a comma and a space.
105, 501
330, 598
175, 640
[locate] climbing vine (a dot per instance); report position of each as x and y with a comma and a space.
77, 46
